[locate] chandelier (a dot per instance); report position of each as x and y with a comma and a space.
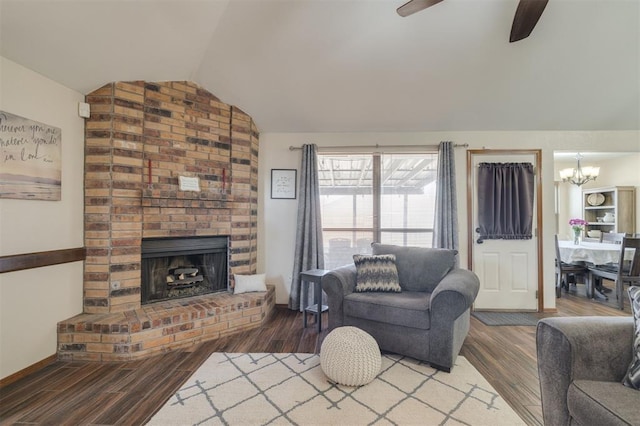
579, 175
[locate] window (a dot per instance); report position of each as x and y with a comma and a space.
388, 198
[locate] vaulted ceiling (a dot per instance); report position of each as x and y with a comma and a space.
351, 65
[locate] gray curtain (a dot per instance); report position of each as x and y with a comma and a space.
445, 226
309, 251
505, 201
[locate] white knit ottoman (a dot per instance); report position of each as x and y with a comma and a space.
350, 356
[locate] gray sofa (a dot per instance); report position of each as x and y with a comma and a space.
428, 320
581, 363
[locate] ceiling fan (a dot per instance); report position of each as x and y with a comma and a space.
525, 19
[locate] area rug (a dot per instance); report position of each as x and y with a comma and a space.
507, 318
282, 389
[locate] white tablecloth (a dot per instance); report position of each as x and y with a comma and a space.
596, 253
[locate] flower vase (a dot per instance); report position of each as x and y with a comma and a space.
576, 237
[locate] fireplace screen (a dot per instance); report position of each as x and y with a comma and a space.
183, 267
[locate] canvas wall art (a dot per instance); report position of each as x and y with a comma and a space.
283, 183
30, 159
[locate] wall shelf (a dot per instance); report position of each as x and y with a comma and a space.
619, 201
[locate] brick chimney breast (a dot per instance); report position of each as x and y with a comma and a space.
140, 139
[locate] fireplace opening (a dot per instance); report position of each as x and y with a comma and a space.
183, 267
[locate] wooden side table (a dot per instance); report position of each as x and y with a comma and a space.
313, 276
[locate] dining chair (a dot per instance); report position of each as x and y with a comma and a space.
565, 271
592, 239
624, 272
609, 238
613, 237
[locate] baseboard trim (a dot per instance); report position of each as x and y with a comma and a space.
29, 370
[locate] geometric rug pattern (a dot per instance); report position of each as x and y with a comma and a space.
284, 389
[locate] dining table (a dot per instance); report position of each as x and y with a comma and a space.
592, 253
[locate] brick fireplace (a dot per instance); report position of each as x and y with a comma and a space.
141, 140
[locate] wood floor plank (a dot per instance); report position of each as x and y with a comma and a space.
86, 414
145, 373
117, 412
30, 380
131, 392
75, 409
51, 374
71, 391
54, 379
24, 407
152, 402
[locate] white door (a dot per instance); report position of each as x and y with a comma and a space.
508, 269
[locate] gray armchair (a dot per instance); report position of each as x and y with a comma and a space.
581, 364
428, 320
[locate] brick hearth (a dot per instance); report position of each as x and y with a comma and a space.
140, 139
162, 326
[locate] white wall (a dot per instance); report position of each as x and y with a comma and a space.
276, 218
33, 301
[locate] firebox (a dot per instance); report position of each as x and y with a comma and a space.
183, 267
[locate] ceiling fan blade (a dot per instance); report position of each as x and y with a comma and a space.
526, 18
413, 6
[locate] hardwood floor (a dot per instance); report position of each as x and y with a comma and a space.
131, 392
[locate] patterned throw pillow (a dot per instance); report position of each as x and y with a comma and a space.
632, 378
376, 273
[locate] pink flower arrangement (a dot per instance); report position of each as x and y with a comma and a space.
577, 224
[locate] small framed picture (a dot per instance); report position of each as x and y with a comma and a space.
283, 183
